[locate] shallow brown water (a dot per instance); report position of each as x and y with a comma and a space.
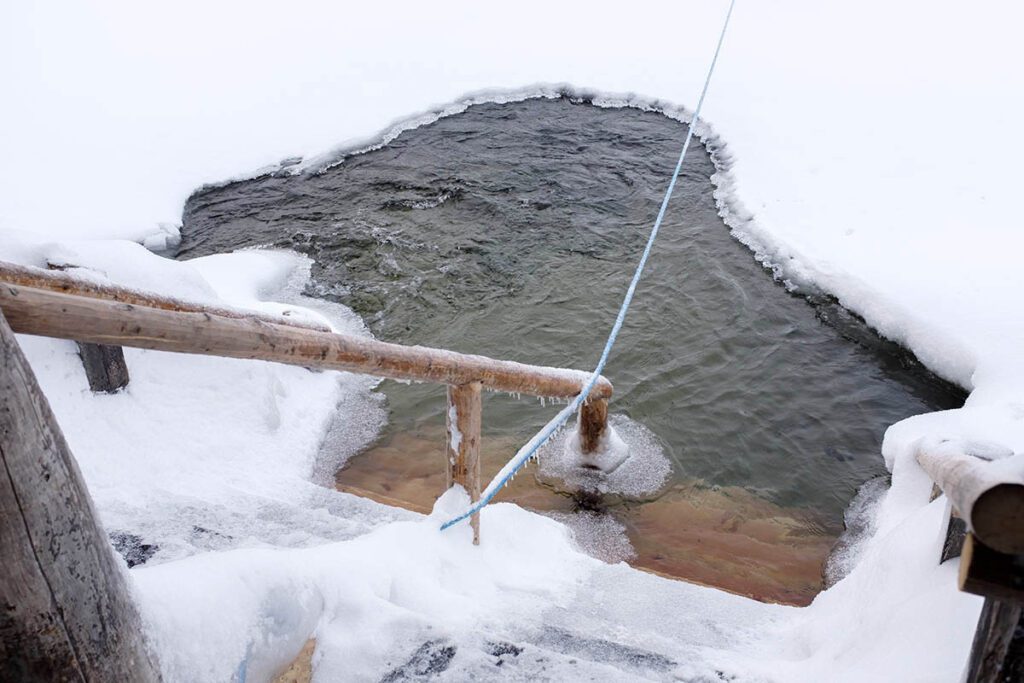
719, 536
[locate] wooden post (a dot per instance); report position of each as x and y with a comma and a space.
592, 423
104, 367
953, 531
463, 450
993, 659
987, 572
592, 443
953, 538
998, 650
67, 612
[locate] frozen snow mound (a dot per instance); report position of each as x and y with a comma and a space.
641, 471
205, 472
407, 597
200, 453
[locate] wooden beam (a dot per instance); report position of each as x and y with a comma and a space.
993, 658
65, 283
987, 572
463, 450
100, 321
592, 423
67, 611
105, 368
988, 497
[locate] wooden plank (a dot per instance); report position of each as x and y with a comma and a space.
1013, 662
987, 572
463, 450
993, 659
66, 283
67, 614
989, 498
105, 368
99, 321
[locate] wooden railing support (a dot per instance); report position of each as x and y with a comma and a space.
987, 499
463, 450
953, 531
105, 368
953, 537
67, 612
987, 572
592, 423
997, 653
993, 657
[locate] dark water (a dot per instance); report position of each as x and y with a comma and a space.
512, 230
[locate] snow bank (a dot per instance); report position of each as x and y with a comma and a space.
867, 149
198, 452
365, 599
205, 472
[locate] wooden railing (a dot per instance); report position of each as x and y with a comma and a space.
55, 304
986, 529
986, 498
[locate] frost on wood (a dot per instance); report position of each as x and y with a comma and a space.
454, 435
463, 421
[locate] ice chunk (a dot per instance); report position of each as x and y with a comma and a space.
641, 474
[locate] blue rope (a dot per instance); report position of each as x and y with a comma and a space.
529, 449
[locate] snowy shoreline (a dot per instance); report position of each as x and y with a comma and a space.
901, 519
871, 150
256, 562
786, 265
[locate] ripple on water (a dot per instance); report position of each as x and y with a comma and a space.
511, 230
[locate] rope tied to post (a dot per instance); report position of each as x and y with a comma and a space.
529, 450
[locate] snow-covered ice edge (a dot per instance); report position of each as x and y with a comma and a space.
896, 616
787, 263
211, 460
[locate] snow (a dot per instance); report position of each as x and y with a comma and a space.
216, 463
637, 470
866, 149
455, 436
184, 465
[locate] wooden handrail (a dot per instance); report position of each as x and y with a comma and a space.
60, 281
207, 331
987, 496
54, 304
